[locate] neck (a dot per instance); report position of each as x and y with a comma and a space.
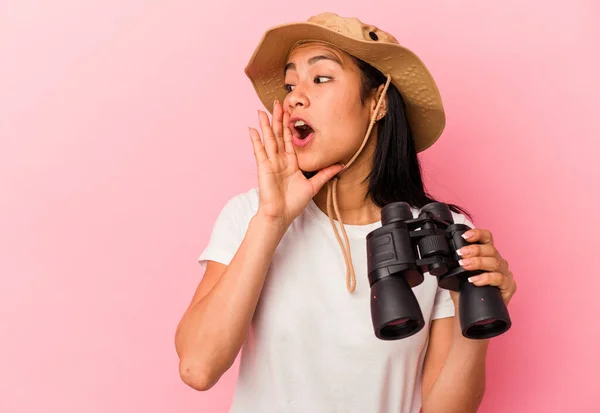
355, 208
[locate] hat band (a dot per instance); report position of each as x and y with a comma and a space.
332, 206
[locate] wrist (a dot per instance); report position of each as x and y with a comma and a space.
270, 224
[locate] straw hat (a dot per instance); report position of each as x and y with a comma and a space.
374, 46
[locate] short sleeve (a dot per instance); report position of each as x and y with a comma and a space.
467, 222
227, 233
443, 305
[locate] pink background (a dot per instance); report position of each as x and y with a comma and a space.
123, 130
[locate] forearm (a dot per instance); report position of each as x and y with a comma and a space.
212, 332
460, 385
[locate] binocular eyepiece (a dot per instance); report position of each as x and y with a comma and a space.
398, 255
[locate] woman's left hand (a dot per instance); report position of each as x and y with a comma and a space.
484, 256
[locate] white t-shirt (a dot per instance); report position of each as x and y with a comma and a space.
311, 347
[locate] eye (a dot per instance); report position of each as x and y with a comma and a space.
288, 88
322, 79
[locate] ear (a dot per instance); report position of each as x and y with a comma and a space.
383, 107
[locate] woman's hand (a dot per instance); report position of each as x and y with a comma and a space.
484, 256
284, 192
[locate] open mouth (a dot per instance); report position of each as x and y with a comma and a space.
303, 129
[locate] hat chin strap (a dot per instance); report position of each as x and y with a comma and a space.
332, 207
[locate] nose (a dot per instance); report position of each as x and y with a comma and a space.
297, 98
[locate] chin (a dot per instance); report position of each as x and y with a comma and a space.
311, 163
308, 165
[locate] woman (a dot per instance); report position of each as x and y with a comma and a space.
342, 144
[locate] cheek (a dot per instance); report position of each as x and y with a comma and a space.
349, 122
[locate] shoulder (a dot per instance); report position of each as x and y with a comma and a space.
240, 208
461, 219
230, 227
458, 218
236, 213
245, 202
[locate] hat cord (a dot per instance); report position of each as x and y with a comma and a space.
332, 206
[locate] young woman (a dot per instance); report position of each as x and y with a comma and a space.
286, 267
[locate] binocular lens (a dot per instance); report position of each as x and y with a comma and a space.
482, 312
486, 329
399, 328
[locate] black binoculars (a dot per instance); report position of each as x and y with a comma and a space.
398, 255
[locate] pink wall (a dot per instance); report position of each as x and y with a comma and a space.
123, 130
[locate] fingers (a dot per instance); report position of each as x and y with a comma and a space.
475, 250
483, 256
278, 126
267, 134
480, 235
323, 176
491, 264
259, 150
287, 134
506, 283
495, 279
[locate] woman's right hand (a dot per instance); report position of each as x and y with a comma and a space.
284, 192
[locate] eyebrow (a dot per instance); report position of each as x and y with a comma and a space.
314, 60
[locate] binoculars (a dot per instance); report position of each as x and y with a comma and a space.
398, 255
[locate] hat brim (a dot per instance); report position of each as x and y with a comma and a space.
409, 74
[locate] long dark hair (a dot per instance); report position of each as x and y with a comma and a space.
396, 172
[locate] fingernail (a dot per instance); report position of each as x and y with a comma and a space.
459, 252
473, 279
467, 234
464, 262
